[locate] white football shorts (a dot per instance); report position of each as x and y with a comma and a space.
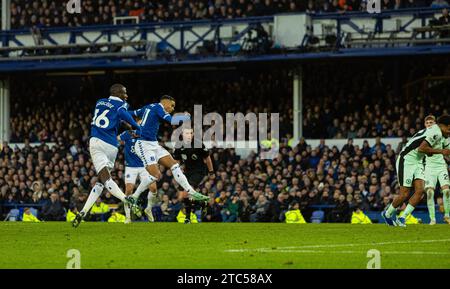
102, 153
131, 174
150, 152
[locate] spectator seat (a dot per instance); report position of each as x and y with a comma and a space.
317, 216
13, 215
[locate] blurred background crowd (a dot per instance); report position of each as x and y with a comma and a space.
25, 13
57, 178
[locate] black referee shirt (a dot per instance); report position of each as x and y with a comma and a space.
192, 158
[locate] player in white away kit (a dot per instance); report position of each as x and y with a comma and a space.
410, 168
134, 168
103, 147
151, 153
436, 170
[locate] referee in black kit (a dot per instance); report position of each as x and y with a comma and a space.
197, 164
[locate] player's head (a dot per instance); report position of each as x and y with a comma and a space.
119, 90
168, 103
444, 124
430, 120
188, 134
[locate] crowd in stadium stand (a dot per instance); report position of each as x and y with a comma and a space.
340, 106
26, 13
58, 178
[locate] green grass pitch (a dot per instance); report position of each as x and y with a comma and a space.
220, 245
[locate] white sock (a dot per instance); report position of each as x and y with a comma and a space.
446, 200
93, 196
409, 209
390, 210
145, 182
150, 197
127, 212
431, 205
181, 179
114, 189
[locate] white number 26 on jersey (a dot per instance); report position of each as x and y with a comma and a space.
101, 120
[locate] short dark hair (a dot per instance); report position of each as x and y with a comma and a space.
168, 97
444, 119
430, 117
116, 89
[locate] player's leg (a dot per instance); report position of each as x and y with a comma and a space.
113, 188
195, 179
431, 205
187, 203
153, 175
144, 175
419, 185
146, 152
104, 176
130, 181
445, 189
446, 200
404, 177
95, 193
153, 189
103, 156
430, 184
168, 162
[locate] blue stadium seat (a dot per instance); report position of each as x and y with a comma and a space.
198, 213
34, 211
162, 46
234, 48
21, 211
13, 215
317, 216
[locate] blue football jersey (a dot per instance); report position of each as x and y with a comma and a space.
106, 121
151, 116
131, 158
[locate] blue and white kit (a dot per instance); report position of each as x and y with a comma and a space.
103, 144
147, 146
134, 167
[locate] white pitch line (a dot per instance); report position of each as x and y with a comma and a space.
356, 252
278, 249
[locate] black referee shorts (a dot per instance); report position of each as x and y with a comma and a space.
195, 178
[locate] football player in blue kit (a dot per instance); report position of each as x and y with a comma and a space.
103, 147
152, 154
134, 168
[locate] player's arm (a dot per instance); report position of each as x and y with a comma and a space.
426, 148
432, 135
209, 164
126, 116
447, 146
138, 112
125, 136
174, 120
208, 161
126, 125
